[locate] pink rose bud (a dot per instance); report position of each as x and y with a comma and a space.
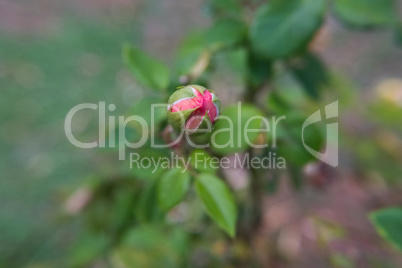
192, 108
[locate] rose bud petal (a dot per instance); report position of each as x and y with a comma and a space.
192, 108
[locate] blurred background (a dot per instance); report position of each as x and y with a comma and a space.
57, 54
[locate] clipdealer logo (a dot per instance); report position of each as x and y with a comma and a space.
330, 156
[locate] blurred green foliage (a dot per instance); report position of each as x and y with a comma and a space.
44, 78
141, 218
388, 223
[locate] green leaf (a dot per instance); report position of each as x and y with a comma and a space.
172, 188
226, 32
147, 70
311, 73
281, 28
388, 223
365, 13
228, 136
218, 201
